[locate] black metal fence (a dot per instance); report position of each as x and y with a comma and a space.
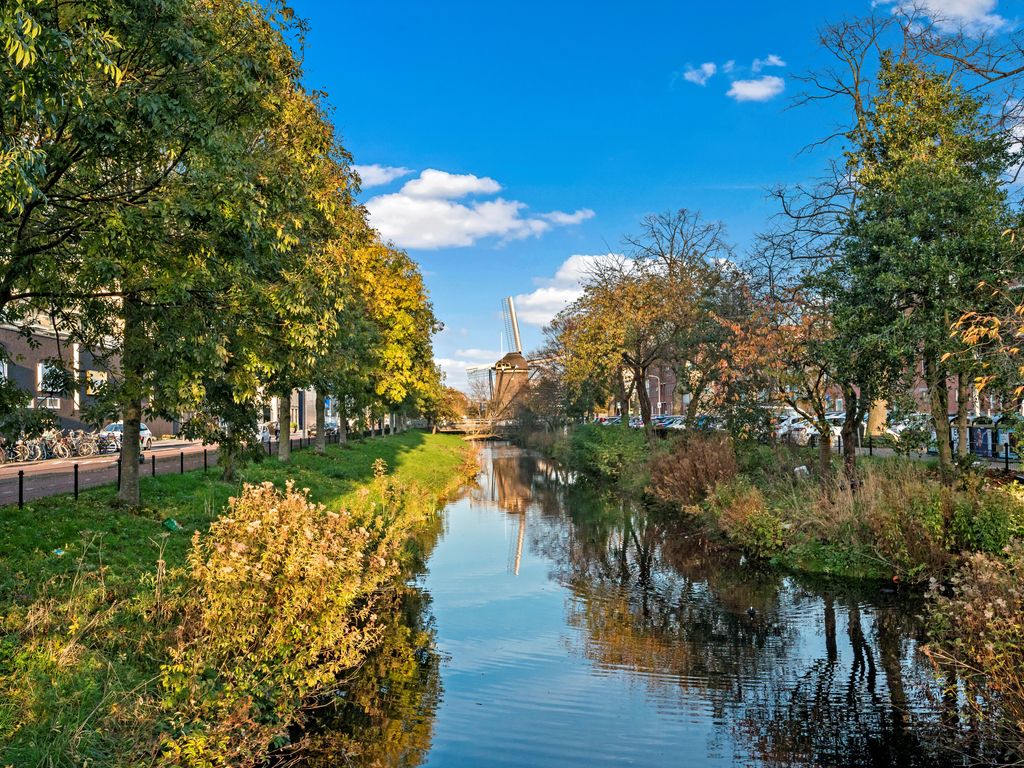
50, 478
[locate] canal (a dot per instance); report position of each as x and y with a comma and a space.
546, 625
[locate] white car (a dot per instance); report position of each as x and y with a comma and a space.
145, 436
916, 421
797, 431
785, 423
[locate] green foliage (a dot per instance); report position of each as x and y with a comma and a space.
740, 512
611, 453
925, 236
283, 605
987, 519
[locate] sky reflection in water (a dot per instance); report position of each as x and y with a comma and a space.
577, 630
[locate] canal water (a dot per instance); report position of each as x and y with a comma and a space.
551, 626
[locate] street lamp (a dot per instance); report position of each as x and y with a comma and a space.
652, 376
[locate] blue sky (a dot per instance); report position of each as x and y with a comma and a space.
547, 130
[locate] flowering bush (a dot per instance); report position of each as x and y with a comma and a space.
284, 603
978, 631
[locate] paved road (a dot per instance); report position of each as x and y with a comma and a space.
53, 476
46, 478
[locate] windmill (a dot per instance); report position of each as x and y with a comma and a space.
512, 372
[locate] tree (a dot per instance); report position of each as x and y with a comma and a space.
927, 226
704, 297
618, 330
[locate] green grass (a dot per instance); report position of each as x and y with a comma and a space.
75, 640
128, 541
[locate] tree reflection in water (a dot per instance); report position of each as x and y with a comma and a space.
384, 714
794, 672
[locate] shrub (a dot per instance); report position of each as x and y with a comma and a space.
694, 465
978, 632
283, 604
609, 452
740, 512
987, 519
904, 512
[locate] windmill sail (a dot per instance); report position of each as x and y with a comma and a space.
508, 311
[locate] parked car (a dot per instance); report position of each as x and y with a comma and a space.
785, 423
706, 423
916, 421
797, 431
612, 421
117, 428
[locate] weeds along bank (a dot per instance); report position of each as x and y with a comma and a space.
127, 644
900, 524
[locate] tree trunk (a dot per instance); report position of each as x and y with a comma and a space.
939, 398
877, 417
342, 425
284, 418
963, 435
645, 404
850, 434
825, 455
131, 408
131, 421
227, 457
692, 406
321, 430
623, 402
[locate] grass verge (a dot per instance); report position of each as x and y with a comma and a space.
91, 596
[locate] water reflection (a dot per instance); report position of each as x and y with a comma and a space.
579, 629
384, 714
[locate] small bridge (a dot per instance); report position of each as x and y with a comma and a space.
481, 429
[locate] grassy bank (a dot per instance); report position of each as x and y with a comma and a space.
97, 602
898, 524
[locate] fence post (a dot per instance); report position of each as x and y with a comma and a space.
871, 445
76, 482
119, 474
152, 464
1006, 457
181, 458
21, 488
204, 460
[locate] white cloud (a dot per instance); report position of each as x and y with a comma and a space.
566, 219
424, 213
972, 15
701, 74
455, 368
761, 89
554, 293
771, 60
729, 66
376, 175
447, 186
